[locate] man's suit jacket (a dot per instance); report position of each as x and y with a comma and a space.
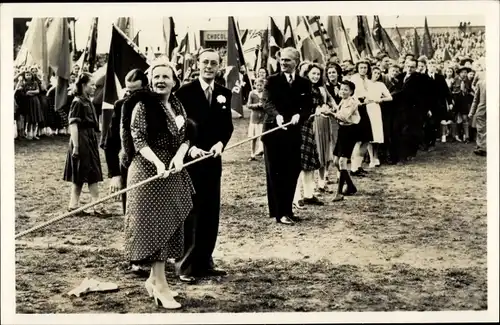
111, 142
439, 92
412, 95
213, 122
279, 98
478, 107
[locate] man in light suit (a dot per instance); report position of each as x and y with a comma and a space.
287, 98
478, 113
208, 104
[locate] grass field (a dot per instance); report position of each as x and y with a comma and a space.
412, 239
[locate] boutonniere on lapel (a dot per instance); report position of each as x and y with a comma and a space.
221, 100
179, 121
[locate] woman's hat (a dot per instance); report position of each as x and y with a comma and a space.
465, 60
462, 68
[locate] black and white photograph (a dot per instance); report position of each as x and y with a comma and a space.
249, 162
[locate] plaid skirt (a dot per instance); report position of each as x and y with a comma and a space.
309, 158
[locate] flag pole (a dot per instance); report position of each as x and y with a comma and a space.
131, 43
144, 182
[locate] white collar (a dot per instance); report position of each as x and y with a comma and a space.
290, 74
205, 85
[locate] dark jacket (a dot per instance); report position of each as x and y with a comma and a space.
156, 120
280, 98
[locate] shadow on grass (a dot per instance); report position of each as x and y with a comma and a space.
256, 285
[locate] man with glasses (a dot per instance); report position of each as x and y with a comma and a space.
208, 105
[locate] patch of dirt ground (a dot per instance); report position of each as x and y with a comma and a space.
413, 238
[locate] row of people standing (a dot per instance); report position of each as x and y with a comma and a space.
35, 114
398, 113
156, 128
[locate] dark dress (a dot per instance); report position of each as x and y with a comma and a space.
87, 167
156, 211
34, 113
309, 156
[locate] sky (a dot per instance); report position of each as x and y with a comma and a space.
151, 28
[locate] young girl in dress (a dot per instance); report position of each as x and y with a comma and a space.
333, 77
449, 75
256, 117
378, 93
309, 150
34, 113
83, 164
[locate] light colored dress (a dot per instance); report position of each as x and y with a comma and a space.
376, 91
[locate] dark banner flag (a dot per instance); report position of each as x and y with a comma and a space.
92, 48
169, 37
123, 57
136, 38
234, 62
288, 34
264, 49
383, 39
416, 43
275, 45
427, 48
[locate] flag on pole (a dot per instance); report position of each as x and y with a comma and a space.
136, 38
35, 47
123, 57
92, 51
244, 37
59, 58
264, 49
364, 42
383, 39
416, 43
377, 30
275, 45
319, 34
446, 55
427, 48
306, 44
125, 24
234, 62
289, 36
89, 52
342, 44
399, 40
169, 37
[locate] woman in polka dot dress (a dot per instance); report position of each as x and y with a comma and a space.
156, 211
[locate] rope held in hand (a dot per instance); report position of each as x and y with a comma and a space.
146, 181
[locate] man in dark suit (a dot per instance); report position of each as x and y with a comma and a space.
439, 101
393, 117
111, 142
412, 103
208, 104
287, 97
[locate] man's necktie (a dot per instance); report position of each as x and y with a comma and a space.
208, 94
290, 80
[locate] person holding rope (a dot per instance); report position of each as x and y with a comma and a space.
157, 129
287, 97
209, 105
